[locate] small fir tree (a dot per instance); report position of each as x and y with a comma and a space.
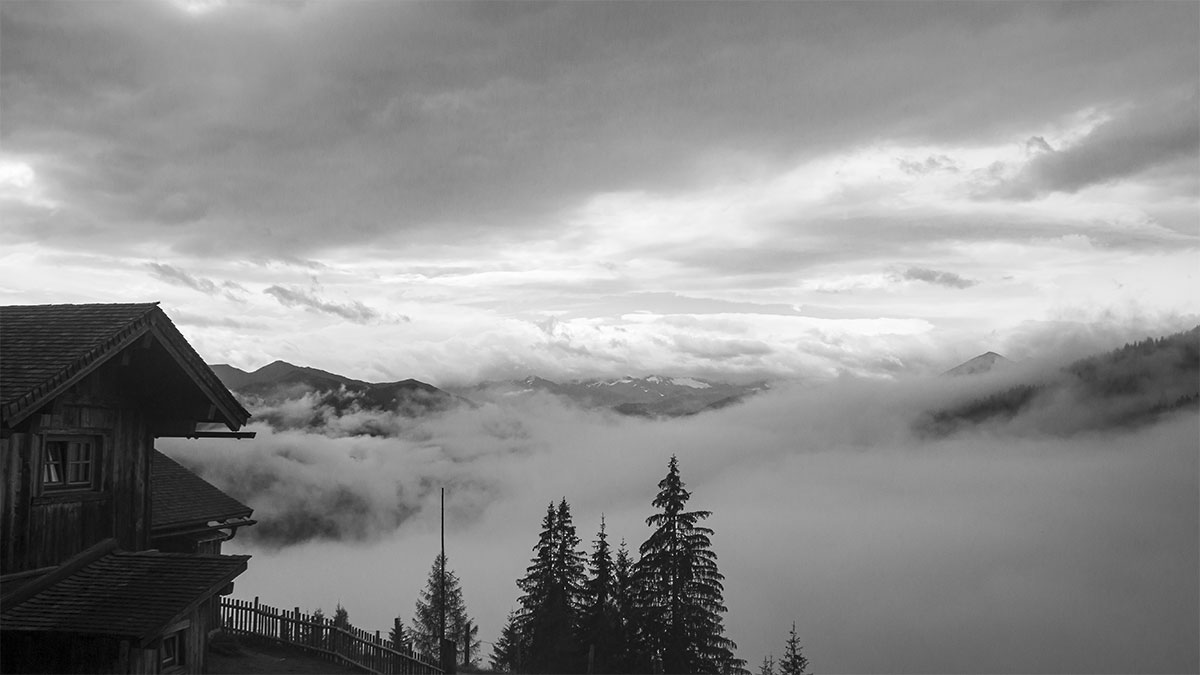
397, 637
318, 628
768, 665
793, 661
506, 650
427, 615
341, 617
626, 653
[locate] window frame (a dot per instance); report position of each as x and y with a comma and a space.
178, 659
70, 463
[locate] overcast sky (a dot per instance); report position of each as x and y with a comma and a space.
456, 190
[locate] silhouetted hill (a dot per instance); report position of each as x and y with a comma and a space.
1132, 385
278, 382
984, 363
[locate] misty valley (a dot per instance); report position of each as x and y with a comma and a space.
1041, 512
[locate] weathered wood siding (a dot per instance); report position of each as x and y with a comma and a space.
42, 528
42, 653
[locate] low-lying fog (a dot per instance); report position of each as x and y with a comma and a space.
1020, 547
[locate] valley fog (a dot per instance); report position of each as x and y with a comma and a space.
1024, 546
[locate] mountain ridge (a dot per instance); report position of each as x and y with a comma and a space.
654, 395
984, 363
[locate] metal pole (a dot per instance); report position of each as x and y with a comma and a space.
442, 624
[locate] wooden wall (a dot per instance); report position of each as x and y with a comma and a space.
40, 530
39, 652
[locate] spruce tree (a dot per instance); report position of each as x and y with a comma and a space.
572, 562
678, 587
626, 653
317, 635
601, 620
506, 654
768, 666
535, 627
552, 603
397, 638
428, 613
341, 617
793, 661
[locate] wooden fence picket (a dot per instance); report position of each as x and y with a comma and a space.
347, 644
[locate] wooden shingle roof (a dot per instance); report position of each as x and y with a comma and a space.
104, 591
180, 498
46, 348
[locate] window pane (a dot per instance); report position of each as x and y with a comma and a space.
170, 650
68, 462
52, 469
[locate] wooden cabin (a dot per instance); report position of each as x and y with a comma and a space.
84, 392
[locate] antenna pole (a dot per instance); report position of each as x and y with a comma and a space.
442, 623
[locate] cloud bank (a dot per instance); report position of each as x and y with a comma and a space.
1019, 546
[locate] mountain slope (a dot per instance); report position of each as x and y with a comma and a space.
984, 363
279, 382
650, 396
1125, 387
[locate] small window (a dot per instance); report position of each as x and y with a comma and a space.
171, 652
70, 462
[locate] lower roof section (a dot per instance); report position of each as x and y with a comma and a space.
106, 591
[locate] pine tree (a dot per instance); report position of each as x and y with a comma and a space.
506, 655
626, 653
341, 617
601, 620
553, 596
427, 616
793, 661
572, 562
535, 627
768, 666
397, 638
318, 628
678, 587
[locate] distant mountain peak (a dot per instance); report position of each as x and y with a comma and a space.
985, 362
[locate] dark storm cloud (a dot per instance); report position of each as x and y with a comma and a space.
288, 131
949, 279
296, 297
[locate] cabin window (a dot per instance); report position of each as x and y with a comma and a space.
70, 462
171, 652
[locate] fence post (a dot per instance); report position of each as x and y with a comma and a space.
254, 621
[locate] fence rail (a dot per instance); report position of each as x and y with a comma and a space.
346, 644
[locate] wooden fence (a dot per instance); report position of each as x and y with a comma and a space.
344, 644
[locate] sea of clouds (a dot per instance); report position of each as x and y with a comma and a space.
1049, 542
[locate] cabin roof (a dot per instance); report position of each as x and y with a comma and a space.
105, 591
180, 498
44, 349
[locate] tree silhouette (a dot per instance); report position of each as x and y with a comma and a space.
552, 603
679, 593
506, 650
601, 620
428, 613
793, 661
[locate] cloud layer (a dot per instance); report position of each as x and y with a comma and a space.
327, 171
1047, 532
